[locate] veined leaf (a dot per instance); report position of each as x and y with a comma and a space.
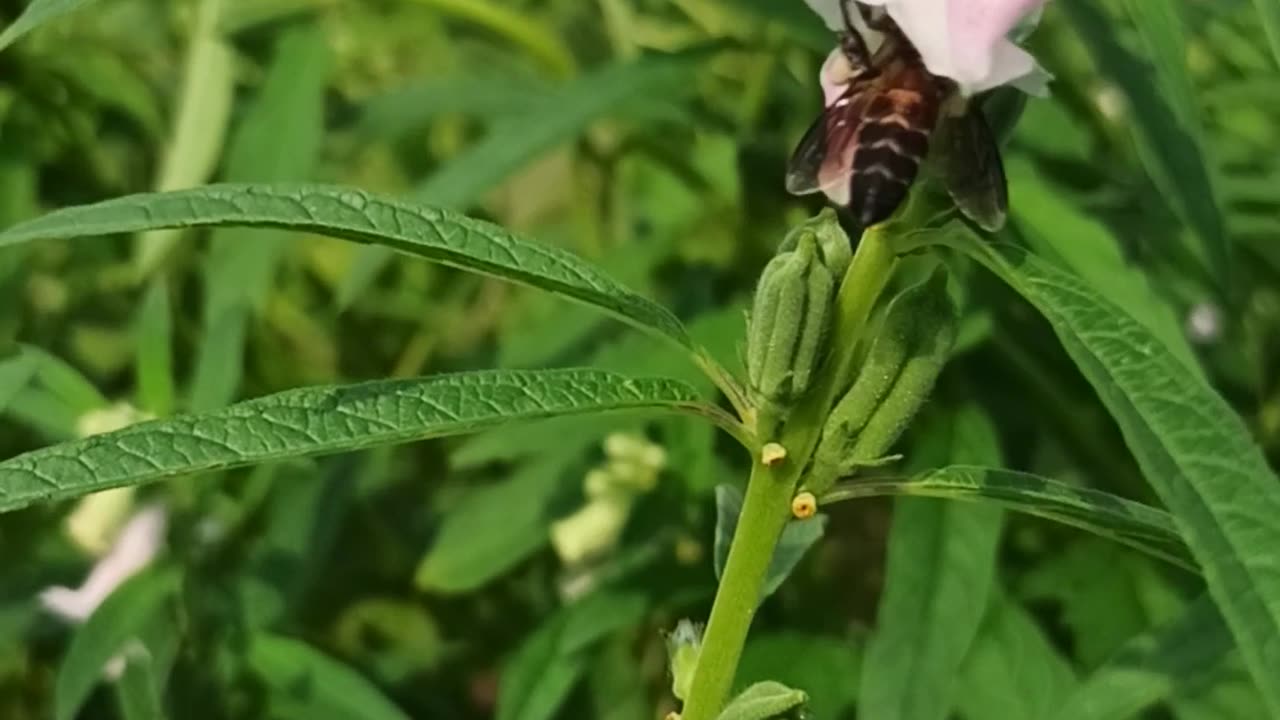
315, 684
322, 420
1193, 449
1166, 145
941, 562
438, 235
1141, 527
1151, 667
36, 14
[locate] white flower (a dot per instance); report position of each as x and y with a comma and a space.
967, 41
134, 549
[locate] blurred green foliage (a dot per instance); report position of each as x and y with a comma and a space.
649, 136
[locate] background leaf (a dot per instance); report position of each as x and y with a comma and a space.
1012, 670
797, 537
517, 140
122, 617
1166, 144
311, 684
941, 558
37, 13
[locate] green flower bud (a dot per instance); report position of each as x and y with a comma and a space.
684, 645
788, 328
834, 247
899, 372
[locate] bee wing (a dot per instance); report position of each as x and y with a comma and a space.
823, 160
973, 170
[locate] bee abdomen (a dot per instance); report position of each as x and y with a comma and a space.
887, 160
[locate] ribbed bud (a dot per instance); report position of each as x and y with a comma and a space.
788, 329
899, 372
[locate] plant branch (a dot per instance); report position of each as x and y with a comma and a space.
767, 505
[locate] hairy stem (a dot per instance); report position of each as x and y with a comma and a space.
767, 505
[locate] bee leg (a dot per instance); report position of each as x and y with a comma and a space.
875, 18
852, 43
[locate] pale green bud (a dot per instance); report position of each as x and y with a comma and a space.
788, 329
684, 646
897, 376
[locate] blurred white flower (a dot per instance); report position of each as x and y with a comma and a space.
968, 41
1204, 323
134, 549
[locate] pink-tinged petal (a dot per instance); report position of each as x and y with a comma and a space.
834, 77
136, 546
977, 29
829, 11
1008, 65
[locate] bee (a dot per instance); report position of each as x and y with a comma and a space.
883, 112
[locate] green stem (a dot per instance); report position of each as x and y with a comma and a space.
767, 505
765, 512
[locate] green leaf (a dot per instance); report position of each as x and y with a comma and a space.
1166, 145
1102, 594
122, 617
941, 560
1270, 12
16, 372
1012, 670
278, 140
302, 517
154, 338
824, 666
1139, 526
797, 537
1161, 26
1152, 667
323, 420
140, 690
438, 235
493, 528
537, 678
199, 125
1056, 229
36, 14
313, 684
518, 140
1193, 449
65, 382
763, 701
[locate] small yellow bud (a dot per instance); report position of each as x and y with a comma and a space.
804, 506
772, 454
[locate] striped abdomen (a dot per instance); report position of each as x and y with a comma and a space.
891, 142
